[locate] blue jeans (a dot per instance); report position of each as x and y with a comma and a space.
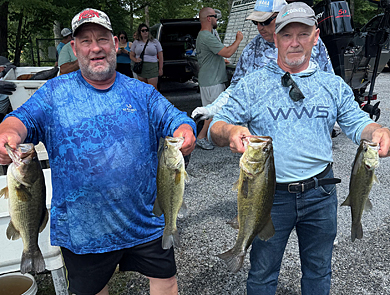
314, 215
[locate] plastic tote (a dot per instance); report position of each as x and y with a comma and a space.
18, 284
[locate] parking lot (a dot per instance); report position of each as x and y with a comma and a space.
361, 267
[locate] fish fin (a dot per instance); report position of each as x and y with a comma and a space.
244, 187
170, 238
23, 193
347, 202
12, 233
4, 192
368, 205
178, 176
182, 211
186, 178
32, 262
44, 220
268, 231
356, 231
233, 260
234, 223
235, 186
157, 209
376, 179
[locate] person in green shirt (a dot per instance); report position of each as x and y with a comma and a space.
212, 71
67, 61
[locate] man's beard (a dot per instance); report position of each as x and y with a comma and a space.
215, 26
295, 62
100, 75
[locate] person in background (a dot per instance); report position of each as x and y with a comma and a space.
67, 61
153, 56
66, 37
132, 62
259, 52
212, 70
123, 61
305, 196
101, 131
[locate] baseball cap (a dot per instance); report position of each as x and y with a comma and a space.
296, 12
66, 32
4, 61
90, 15
264, 9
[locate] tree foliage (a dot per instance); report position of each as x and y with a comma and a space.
24, 21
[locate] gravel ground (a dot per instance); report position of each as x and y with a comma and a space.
361, 267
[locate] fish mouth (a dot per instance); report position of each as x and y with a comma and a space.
13, 154
175, 141
21, 154
256, 141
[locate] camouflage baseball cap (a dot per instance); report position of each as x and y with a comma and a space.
265, 9
90, 15
296, 12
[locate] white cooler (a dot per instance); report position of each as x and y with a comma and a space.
24, 88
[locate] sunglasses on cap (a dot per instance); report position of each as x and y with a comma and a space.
144, 30
213, 15
266, 23
295, 93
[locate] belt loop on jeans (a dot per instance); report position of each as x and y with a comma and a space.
316, 182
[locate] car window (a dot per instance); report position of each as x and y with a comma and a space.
373, 24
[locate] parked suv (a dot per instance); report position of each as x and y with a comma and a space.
177, 38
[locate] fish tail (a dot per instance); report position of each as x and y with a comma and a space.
170, 238
234, 259
32, 261
356, 231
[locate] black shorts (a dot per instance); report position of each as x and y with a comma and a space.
87, 274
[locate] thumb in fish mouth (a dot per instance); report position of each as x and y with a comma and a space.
13, 153
20, 152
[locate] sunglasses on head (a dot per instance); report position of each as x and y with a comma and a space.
266, 23
144, 30
295, 93
213, 15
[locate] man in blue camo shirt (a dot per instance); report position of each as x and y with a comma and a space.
259, 52
296, 103
101, 132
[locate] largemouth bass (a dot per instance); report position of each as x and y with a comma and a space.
360, 184
256, 189
26, 192
171, 175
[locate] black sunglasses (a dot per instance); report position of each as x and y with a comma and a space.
213, 15
295, 93
266, 23
122, 37
144, 30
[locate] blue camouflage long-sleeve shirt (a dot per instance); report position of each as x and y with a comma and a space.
300, 130
256, 55
102, 147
